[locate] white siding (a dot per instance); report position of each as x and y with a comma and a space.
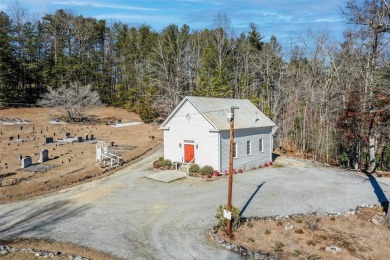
244, 161
196, 129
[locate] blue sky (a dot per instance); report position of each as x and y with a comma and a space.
285, 19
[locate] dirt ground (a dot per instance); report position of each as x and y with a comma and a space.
355, 235
72, 163
64, 249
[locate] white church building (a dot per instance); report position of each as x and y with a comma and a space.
197, 131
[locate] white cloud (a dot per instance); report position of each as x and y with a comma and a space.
100, 5
136, 18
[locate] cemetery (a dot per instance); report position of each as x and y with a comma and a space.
41, 153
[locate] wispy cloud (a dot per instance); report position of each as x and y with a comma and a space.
137, 18
100, 5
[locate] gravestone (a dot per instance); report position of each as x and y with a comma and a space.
67, 135
43, 156
20, 157
79, 139
11, 138
26, 162
86, 137
92, 137
49, 140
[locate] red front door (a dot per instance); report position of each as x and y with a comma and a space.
188, 153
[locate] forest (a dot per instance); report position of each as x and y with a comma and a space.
330, 100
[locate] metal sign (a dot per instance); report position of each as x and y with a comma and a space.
227, 214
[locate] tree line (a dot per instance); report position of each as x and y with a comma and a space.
331, 101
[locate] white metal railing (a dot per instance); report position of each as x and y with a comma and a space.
189, 164
175, 164
113, 158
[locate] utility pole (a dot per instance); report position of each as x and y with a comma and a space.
230, 187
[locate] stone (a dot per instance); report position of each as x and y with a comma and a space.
377, 220
92, 137
333, 249
288, 226
20, 157
79, 139
49, 140
26, 162
67, 135
43, 156
86, 137
11, 138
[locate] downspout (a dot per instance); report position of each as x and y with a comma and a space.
219, 153
271, 144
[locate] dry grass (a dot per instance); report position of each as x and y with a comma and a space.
356, 235
51, 246
75, 162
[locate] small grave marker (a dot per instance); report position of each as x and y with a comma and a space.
43, 156
26, 162
49, 140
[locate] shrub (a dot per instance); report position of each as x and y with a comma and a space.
278, 246
216, 173
161, 158
166, 163
240, 171
194, 168
222, 221
157, 164
207, 169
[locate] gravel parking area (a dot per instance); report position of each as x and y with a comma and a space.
130, 216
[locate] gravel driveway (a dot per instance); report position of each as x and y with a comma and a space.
134, 217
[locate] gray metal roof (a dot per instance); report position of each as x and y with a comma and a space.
215, 111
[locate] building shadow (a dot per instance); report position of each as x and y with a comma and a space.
274, 156
250, 199
382, 199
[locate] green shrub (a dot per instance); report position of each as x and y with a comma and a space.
161, 158
207, 169
194, 168
166, 163
222, 220
157, 164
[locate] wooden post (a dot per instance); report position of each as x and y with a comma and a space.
230, 187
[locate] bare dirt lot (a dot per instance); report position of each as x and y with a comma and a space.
356, 235
72, 162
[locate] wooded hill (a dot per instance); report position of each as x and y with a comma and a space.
331, 101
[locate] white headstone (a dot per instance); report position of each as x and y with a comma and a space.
43, 156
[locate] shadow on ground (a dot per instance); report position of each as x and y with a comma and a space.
18, 222
250, 199
382, 199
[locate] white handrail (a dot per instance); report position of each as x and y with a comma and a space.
189, 164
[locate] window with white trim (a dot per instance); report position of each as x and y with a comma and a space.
261, 148
248, 148
234, 150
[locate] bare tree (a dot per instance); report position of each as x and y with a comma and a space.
373, 19
72, 101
